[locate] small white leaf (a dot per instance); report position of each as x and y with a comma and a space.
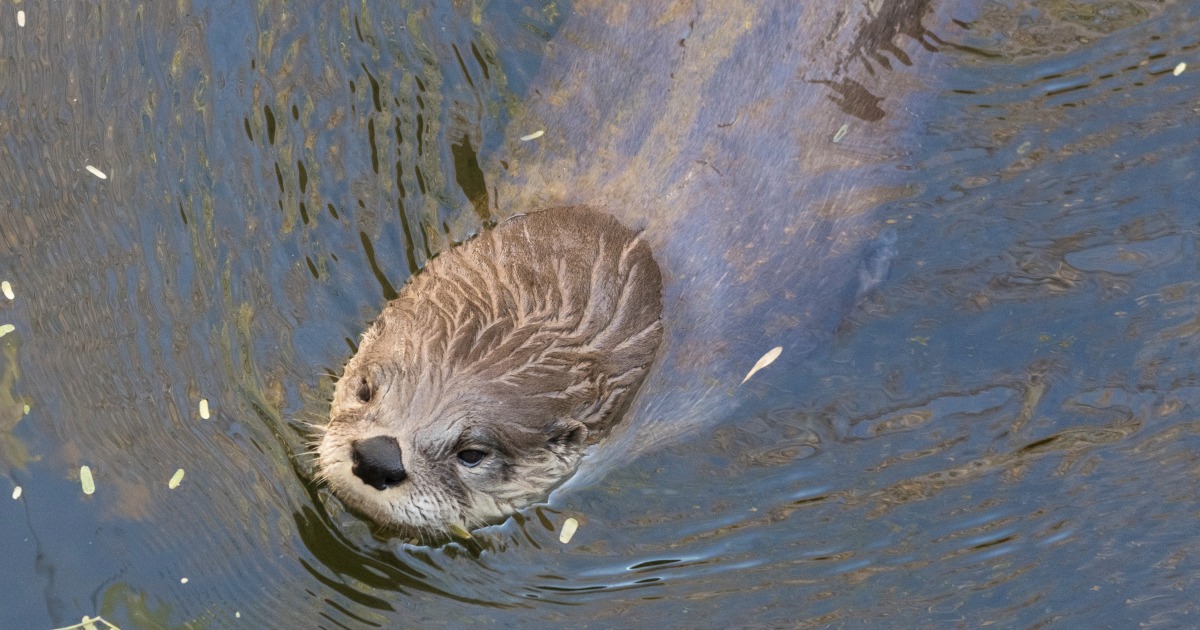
568, 530
767, 359
85, 479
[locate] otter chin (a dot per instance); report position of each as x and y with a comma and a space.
479, 387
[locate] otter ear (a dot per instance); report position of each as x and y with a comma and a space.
566, 435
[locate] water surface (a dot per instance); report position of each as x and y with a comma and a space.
1002, 432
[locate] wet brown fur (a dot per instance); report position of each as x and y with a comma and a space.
527, 342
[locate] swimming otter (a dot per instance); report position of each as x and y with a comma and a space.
477, 389
754, 132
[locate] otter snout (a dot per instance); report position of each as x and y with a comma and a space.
377, 461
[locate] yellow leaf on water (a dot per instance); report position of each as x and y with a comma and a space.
767, 359
85, 479
176, 479
568, 530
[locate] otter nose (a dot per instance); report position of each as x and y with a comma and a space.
377, 462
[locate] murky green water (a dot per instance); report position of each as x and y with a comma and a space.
1003, 432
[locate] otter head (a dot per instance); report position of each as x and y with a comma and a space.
478, 388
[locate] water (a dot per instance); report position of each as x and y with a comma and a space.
1001, 432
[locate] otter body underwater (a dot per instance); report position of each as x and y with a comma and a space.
750, 157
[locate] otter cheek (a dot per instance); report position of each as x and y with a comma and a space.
378, 462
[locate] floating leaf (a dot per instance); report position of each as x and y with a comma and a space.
6, 289
533, 136
767, 359
176, 479
16, 493
95, 171
568, 530
85, 479
204, 408
6, 328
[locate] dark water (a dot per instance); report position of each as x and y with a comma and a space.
1003, 433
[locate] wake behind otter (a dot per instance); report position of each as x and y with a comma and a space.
757, 184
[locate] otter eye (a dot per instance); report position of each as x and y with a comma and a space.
364, 391
471, 457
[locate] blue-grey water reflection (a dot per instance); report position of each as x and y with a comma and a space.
1003, 431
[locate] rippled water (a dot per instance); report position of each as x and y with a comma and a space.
1003, 432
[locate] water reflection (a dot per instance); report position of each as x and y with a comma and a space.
1002, 431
